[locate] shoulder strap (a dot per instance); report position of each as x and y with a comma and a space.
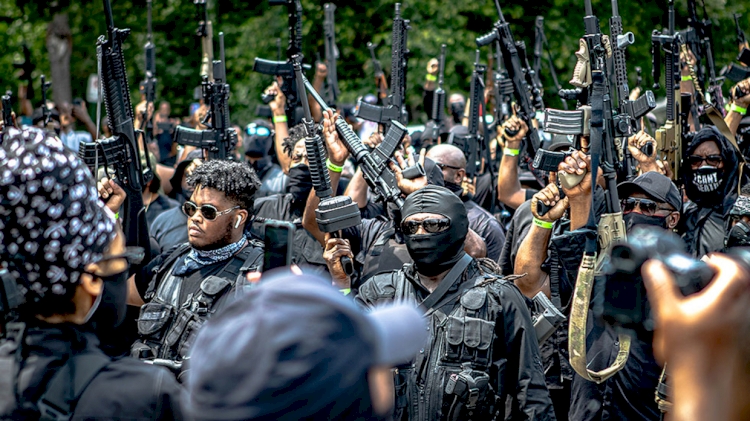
68, 384
447, 282
241, 261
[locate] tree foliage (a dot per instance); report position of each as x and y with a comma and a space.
251, 30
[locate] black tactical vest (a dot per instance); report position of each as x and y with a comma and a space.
168, 328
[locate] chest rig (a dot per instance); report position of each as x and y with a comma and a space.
167, 327
451, 377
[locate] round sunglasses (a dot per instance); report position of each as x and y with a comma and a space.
209, 212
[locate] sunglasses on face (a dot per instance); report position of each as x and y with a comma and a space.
209, 212
253, 129
444, 166
431, 225
646, 206
712, 160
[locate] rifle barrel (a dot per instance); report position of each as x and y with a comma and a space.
108, 15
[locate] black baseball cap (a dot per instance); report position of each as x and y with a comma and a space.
655, 185
291, 348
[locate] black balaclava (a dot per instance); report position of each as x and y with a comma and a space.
111, 310
300, 183
708, 186
436, 253
457, 111
634, 218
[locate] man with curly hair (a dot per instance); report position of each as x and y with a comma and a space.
186, 284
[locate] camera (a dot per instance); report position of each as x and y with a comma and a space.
622, 299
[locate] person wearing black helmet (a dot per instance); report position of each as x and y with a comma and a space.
66, 281
258, 143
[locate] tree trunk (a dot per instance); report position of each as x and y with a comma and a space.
60, 48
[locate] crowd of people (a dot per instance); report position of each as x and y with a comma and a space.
440, 305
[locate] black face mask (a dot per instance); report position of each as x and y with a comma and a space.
261, 166
455, 188
707, 179
634, 218
435, 253
113, 303
739, 235
457, 111
300, 183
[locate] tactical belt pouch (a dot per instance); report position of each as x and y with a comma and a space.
466, 392
190, 333
175, 332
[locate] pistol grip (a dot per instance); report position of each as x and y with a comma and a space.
348, 266
568, 181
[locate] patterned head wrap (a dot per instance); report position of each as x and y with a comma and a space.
52, 223
741, 207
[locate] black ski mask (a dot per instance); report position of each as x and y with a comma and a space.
300, 183
457, 111
709, 186
435, 253
634, 218
110, 312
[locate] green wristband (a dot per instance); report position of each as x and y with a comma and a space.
279, 119
346, 291
117, 216
737, 109
543, 224
333, 167
511, 152
686, 78
431, 78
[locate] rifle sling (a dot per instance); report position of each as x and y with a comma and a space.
453, 275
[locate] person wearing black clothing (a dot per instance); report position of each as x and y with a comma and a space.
452, 162
187, 284
480, 327
711, 180
257, 144
66, 256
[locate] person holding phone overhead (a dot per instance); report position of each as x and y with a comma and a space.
186, 284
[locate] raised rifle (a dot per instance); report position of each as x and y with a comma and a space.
285, 69
437, 114
27, 69
332, 54
540, 44
395, 110
374, 163
628, 113
517, 72
380, 81
334, 213
610, 227
698, 38
739, 72
502, 88
149, 82
206, 33
472, 143
669, 137
7, 110
220, 139
120, 152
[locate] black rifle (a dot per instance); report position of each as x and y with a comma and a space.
206, 34
149, 82
472, 143
437, 114
333, 213
120, 152
380, 81
45, 111
540, 43
698, 38
669, 137
502, 89
220, 139
395, 110
374, 163
285, 69
7, 110
332, 54
517, 72
734, 72
27, 69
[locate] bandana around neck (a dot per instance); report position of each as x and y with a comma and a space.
197, 259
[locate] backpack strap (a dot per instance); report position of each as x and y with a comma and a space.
68, 384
